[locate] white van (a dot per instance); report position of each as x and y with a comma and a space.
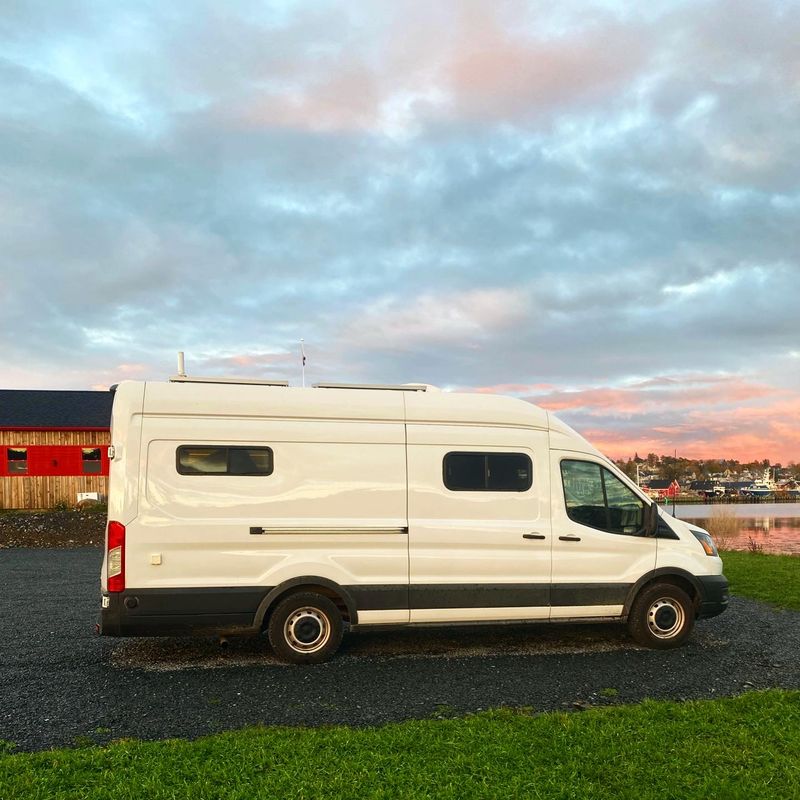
245, 507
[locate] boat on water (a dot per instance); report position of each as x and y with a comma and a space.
763, 487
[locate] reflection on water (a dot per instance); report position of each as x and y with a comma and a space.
773, 526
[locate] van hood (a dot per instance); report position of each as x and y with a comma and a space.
682, 528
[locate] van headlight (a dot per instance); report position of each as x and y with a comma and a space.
706, 542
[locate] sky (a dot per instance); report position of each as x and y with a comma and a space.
594, 206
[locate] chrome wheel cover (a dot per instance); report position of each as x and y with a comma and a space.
665, 618
307, 630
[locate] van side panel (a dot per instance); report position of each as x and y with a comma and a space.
334, 507
472, 555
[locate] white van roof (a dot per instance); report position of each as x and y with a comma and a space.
418, 404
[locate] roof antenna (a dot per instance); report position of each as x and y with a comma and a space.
181, 365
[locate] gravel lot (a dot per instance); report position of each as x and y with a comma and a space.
64, 685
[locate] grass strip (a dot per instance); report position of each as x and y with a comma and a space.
743, 747
772, 578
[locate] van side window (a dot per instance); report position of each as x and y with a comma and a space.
214, 460
596, 497
488, 472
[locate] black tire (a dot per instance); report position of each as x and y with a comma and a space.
661, 617
305, 628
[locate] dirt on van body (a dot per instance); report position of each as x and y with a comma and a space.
53, 528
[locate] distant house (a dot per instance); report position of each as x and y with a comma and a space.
661, 488
708, 488
53, 446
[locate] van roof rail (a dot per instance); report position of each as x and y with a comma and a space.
404, 387
213, 379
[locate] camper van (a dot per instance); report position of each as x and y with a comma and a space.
245, 507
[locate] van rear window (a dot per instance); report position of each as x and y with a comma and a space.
196, 459
488, 472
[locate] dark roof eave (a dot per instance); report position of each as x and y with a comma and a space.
34, 428
45, 409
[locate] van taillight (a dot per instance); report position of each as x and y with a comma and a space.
116, 557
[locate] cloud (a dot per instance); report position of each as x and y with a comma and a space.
460, 319
719, 417
656, 394
586, 203
700, 415
766, 431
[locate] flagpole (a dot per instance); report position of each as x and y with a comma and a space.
303, 361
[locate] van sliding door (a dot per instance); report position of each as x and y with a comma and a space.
479, 523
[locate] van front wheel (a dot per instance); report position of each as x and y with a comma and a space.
661, 617
305, 628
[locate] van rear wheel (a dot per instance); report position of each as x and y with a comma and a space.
305, 628
661, 617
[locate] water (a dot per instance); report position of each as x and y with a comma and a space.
775, 526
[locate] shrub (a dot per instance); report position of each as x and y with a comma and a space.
724, 527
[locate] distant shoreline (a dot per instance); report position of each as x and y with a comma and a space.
692, 500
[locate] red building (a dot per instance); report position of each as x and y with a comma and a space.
662, 488
53, 446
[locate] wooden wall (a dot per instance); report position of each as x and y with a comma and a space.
34, 491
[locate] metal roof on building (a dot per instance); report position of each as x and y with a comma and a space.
660, 483
59, 410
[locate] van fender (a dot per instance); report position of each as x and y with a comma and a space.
663, 572
305, 580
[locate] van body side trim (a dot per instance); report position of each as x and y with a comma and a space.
180, 612
159, 612
479, 595
589, 594
380, 598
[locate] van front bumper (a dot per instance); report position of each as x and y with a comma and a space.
714, 595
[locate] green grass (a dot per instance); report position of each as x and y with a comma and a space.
744, 747
771, 578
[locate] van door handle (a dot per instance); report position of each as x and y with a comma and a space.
569, 538
533, 536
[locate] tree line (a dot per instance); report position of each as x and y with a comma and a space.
676, 468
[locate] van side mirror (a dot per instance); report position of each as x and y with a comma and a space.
651, 519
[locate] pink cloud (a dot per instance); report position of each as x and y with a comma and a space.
744, 433
635, 401
711, 416
457, 317
651, 394
492, 71
459, 60
347, 99
513, 388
